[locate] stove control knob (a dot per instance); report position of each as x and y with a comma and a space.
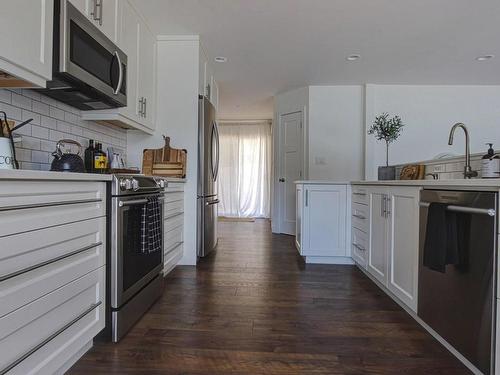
135, 184
124, 183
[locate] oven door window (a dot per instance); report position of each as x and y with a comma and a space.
135, 264
92, 57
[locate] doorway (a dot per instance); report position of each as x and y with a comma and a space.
289, 169
244, 182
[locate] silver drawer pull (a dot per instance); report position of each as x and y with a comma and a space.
360, 194
359, 216
31, 268
216, 201
49, 204
360, 248
51, 337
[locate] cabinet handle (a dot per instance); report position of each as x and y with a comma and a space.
145, 112
97, 12
387, 206
360, 248
140, 106
361, 194
359, 216
382, 205
50, 338
307, 198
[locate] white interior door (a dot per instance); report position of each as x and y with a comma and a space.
290, 167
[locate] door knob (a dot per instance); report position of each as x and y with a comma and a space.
281, 179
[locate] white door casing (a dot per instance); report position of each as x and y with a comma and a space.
289, 168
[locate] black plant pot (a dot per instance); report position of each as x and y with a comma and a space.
386, 173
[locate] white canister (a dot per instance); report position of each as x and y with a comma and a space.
6, 157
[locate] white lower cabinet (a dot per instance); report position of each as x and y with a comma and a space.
392, 233
322, 222
52, 274
173, 214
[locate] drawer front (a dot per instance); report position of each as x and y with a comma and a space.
359, 247
173, 197
27, 287
359, 195
23, 251
173, 238
173, 208
173, 187
25, 331
173, 222
25, 207
359, 216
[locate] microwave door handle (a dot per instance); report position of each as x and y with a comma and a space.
120, 74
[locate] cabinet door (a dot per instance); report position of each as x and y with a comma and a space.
403, 244
214, 93
202, 73
26, 39
108, 15
298, 219
146, 85
128, 41
324, 220
377, 249
82, 6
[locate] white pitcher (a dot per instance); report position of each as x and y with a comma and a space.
6, 157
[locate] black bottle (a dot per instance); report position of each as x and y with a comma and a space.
89, 157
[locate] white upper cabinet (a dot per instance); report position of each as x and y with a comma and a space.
139, 44
208, 86
103, 13
26, 42
202, 90
146, 73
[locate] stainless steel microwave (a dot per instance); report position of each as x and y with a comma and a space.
89, 70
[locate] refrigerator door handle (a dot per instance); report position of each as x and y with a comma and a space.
216, 127
215, 201
212, 150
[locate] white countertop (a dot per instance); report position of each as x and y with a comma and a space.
22, 174
476, 183
322, 182
493, 183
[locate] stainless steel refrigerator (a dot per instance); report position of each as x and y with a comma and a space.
208, 170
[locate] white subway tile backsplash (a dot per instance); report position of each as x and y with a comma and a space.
56, 113
21, 101
52, 121
40, 132
40, 108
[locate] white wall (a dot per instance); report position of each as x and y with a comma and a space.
336, 133
291, 101
176, 117
428, 113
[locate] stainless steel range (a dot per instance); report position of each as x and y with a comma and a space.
134, 274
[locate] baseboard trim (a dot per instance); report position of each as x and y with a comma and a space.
329, 260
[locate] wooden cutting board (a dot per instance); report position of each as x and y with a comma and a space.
412, 172
165, 162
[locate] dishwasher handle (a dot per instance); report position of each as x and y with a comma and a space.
467, 210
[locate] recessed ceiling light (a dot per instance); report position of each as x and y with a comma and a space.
485, 57
220, 59
353, 57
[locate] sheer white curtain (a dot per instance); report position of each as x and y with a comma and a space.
245, 169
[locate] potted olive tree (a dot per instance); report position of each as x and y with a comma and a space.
388, 130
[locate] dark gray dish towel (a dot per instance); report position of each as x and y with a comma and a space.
151, 236
446, 239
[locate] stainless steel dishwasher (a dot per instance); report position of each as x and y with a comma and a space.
459, 304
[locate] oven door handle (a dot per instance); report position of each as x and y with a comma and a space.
136, 202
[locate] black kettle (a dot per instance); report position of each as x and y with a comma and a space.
66, 162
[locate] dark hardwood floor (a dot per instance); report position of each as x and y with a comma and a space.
254, 307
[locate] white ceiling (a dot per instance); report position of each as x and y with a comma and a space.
276, 45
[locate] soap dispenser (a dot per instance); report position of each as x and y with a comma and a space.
490, 164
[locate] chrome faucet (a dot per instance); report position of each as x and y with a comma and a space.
468, 172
